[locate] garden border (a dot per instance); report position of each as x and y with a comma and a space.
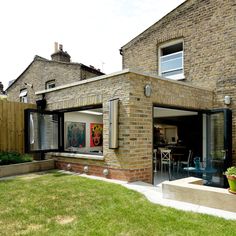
26, 167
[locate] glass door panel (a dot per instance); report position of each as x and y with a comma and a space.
218, 153
42, 131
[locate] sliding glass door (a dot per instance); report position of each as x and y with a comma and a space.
218, 145
43, 131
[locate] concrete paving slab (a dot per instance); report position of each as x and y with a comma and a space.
154, 195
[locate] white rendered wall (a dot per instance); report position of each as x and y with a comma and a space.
84, 118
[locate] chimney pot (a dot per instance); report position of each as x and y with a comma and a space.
60, 47
56, 47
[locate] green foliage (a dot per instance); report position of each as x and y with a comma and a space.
231, 171
7, 158
218, 154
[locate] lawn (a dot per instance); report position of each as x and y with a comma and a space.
60, 204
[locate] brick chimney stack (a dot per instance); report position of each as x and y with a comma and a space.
59, 54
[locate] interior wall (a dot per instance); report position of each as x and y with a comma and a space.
189, 131
169, 133
87, 119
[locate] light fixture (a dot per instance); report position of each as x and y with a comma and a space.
41, 104
106, 172
68, 166
227, 100
148, 90
86, 169
91, 112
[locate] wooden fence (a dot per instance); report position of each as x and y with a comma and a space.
12, 125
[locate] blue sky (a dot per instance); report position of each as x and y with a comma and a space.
91, 31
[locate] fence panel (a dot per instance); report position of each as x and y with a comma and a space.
12, 125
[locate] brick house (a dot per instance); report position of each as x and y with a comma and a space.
176, 90
45, 74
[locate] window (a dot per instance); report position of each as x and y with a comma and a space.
171, 60
43, 129
23, 95
50, 84
83, 131
79, 131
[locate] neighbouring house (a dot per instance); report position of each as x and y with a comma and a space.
176, 91
46, 74
1, 88
2, 93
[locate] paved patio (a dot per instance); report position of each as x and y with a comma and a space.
154, 195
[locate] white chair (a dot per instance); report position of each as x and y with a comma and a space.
166, 160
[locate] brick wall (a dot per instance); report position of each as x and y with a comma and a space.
133, 160
208, 29
41, 71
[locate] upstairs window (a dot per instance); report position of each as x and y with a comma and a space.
171, 60
23, 95
50, 84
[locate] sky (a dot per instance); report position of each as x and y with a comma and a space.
91, 31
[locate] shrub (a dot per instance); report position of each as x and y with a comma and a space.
7, 158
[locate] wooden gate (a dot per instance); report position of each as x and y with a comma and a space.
12, 125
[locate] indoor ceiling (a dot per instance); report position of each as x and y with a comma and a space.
167, 112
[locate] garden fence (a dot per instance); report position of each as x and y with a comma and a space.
12, 125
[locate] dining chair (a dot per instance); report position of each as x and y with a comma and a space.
166, 160
187, 163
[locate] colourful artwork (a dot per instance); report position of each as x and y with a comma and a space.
75, 134
96, 132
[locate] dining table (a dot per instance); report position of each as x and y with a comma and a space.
204, 173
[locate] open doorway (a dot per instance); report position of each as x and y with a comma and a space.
83, 131
75, 131
196, 143
179, 131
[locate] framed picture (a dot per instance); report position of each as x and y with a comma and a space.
75, 134
96, 135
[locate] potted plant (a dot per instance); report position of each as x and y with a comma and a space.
231, 176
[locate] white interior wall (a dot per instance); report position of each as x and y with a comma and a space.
88, 119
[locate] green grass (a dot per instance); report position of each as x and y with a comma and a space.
59, 204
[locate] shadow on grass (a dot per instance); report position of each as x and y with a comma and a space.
58, 173
54, 173
7, 179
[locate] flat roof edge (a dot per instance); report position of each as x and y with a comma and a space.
179, 82
125, 71
94, 79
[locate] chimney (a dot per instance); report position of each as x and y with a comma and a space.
59, 54
55, 47
1, 88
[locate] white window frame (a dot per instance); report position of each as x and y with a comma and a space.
50, 83
173, 42
23, 95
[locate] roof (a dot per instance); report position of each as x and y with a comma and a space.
39, 58
158, 22
125, 71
